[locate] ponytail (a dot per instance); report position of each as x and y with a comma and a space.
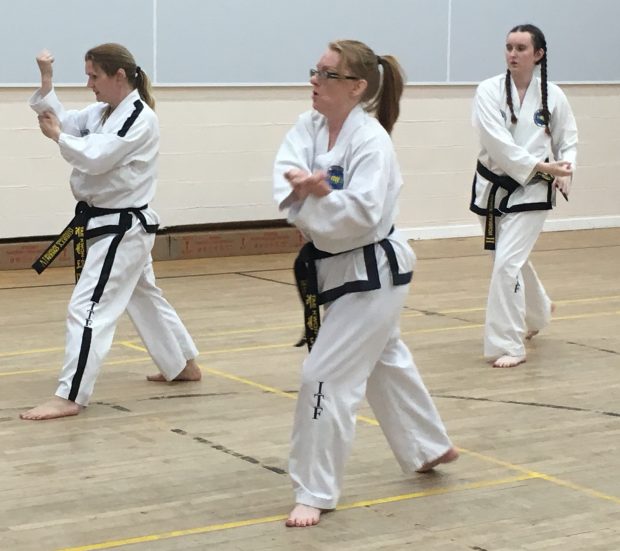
144, 87
111, 57
388, 99
382, 95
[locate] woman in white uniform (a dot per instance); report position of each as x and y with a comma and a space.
337, 174
112, 146
523, 121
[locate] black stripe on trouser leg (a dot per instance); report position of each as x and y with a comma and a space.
124, 224
79, 372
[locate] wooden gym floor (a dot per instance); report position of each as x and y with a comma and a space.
152, 467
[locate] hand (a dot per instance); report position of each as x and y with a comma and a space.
556, 168
49, 125
562, 183
304, 183
44, 61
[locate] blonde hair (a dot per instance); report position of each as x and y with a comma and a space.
382, 96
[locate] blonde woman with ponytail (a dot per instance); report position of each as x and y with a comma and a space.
112, 146
337, 175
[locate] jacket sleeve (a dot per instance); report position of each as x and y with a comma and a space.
99, 153
296, 152
563, 130
513, 159
72, 122
356, 210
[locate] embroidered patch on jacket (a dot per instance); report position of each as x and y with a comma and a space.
84, 132
539, 118
335, 177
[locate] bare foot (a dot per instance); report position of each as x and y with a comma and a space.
191, 372
303, 515
52, 409
531, 334
451, 455
509, 361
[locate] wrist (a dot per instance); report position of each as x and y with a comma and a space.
46, 82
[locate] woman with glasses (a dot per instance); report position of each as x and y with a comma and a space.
522, 121
337, 175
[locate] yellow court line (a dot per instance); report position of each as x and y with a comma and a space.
128, 344
255, 330
404, 315
26, 371
442, 329
40, 351
586, 300
47, 369
478, 325
437, 491
543, 476
272, 390
265, 520
249, 382
374, 422
254, 384
482, 308
586, 316
33, 351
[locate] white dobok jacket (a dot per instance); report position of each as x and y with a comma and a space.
361, 213
513, 150
114, 162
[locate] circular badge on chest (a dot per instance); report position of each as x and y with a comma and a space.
539, 118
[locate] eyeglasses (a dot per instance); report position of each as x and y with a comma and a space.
324, 74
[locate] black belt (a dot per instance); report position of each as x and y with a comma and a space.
76, 231
308, 287
510, 185
307, 283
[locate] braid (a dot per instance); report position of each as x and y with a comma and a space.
540, 43
543, 88
513, 117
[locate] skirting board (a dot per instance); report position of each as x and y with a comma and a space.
208, 244
473, 230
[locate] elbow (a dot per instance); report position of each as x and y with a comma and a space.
92, 167
82, 162
95, 168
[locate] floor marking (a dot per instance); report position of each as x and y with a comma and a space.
265, 520
374, 422
406, 314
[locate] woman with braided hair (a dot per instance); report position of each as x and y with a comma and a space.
528, 139
338, 176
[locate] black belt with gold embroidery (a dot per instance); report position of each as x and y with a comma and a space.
76, 231
505, 182
307, 282
307, 285
510, 185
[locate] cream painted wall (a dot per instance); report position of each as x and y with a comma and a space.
218, 145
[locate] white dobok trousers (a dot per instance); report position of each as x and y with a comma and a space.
517, 300
358, 352
98, 301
